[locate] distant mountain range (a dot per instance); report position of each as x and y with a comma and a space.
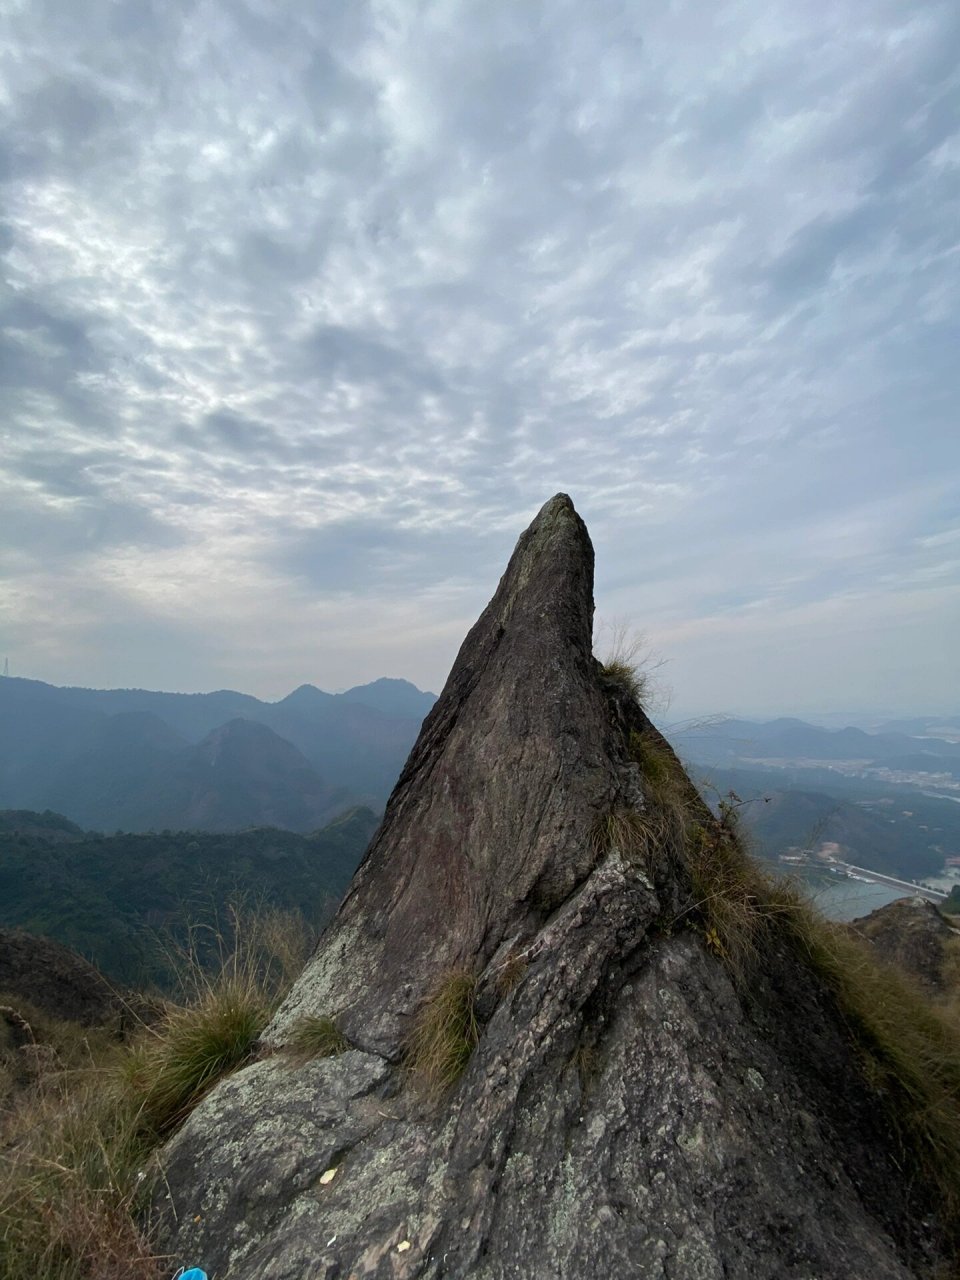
136, 760
924, 761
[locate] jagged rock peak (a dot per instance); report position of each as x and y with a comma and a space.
627, 1108
489, 827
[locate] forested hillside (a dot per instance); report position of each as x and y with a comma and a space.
116, 899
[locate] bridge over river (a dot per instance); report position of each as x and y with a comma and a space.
875, 877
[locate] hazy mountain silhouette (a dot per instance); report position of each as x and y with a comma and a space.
729, 741
137, 759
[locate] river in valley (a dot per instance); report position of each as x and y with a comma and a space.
849, 899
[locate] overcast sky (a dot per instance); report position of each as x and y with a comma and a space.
308, 308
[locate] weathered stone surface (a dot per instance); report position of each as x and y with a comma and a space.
280, 1126
628, 1111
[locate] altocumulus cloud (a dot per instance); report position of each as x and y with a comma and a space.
307, 308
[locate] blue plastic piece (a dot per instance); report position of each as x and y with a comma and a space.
193, 1274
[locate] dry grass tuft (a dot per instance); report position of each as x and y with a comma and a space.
663, 827
34, 1043
728, 889
73, 1148
183, 1057
950, 970
657, 765
68, 1184
445, 1033
316, 1037
510, 973
732, 896
632, 667
8, 1084
732, 911
587, 1063
216, 1027
627, 831
630, 679
265, 946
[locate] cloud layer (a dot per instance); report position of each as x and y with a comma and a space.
307, 309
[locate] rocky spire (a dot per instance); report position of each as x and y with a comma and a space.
489, 828
627, 1108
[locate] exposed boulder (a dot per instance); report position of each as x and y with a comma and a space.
628, 1108
911, 934
50, 977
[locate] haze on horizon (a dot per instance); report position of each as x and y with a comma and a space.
307, 310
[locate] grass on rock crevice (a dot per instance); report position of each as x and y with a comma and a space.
444, 1034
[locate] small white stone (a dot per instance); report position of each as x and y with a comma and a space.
327, 1177
403, 1246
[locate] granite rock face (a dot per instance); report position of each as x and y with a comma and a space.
628, 1110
